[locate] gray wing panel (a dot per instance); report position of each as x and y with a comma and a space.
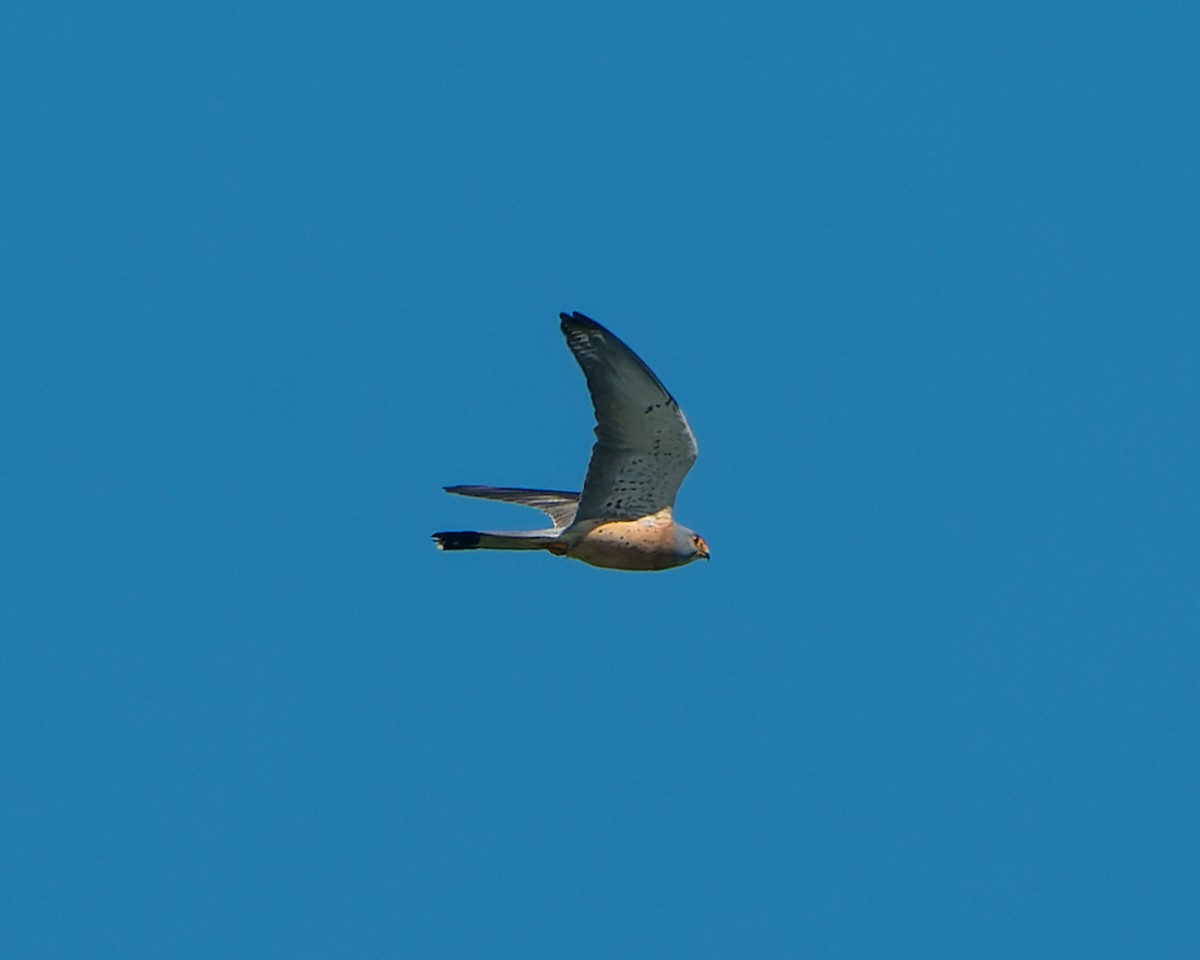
558, 505
644, 446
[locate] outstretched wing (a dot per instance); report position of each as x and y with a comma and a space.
644, 446
558, 505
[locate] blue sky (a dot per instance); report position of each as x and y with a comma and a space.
923, 277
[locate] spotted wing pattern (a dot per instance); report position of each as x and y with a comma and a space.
644, 446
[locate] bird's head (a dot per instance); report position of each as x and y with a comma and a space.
690, 545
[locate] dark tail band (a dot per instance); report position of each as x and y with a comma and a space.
457, 540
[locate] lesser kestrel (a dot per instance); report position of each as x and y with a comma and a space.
624, 517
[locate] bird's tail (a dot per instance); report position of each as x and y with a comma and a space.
495, 540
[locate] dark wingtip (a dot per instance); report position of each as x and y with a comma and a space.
457, 540
579, 319
573, 327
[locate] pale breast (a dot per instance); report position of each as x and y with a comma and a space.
647, 543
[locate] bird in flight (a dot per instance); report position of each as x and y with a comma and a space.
624, 517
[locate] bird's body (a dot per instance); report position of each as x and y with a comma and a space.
624, 516
647, 543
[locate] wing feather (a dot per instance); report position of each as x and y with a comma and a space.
558, 505
644, 446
